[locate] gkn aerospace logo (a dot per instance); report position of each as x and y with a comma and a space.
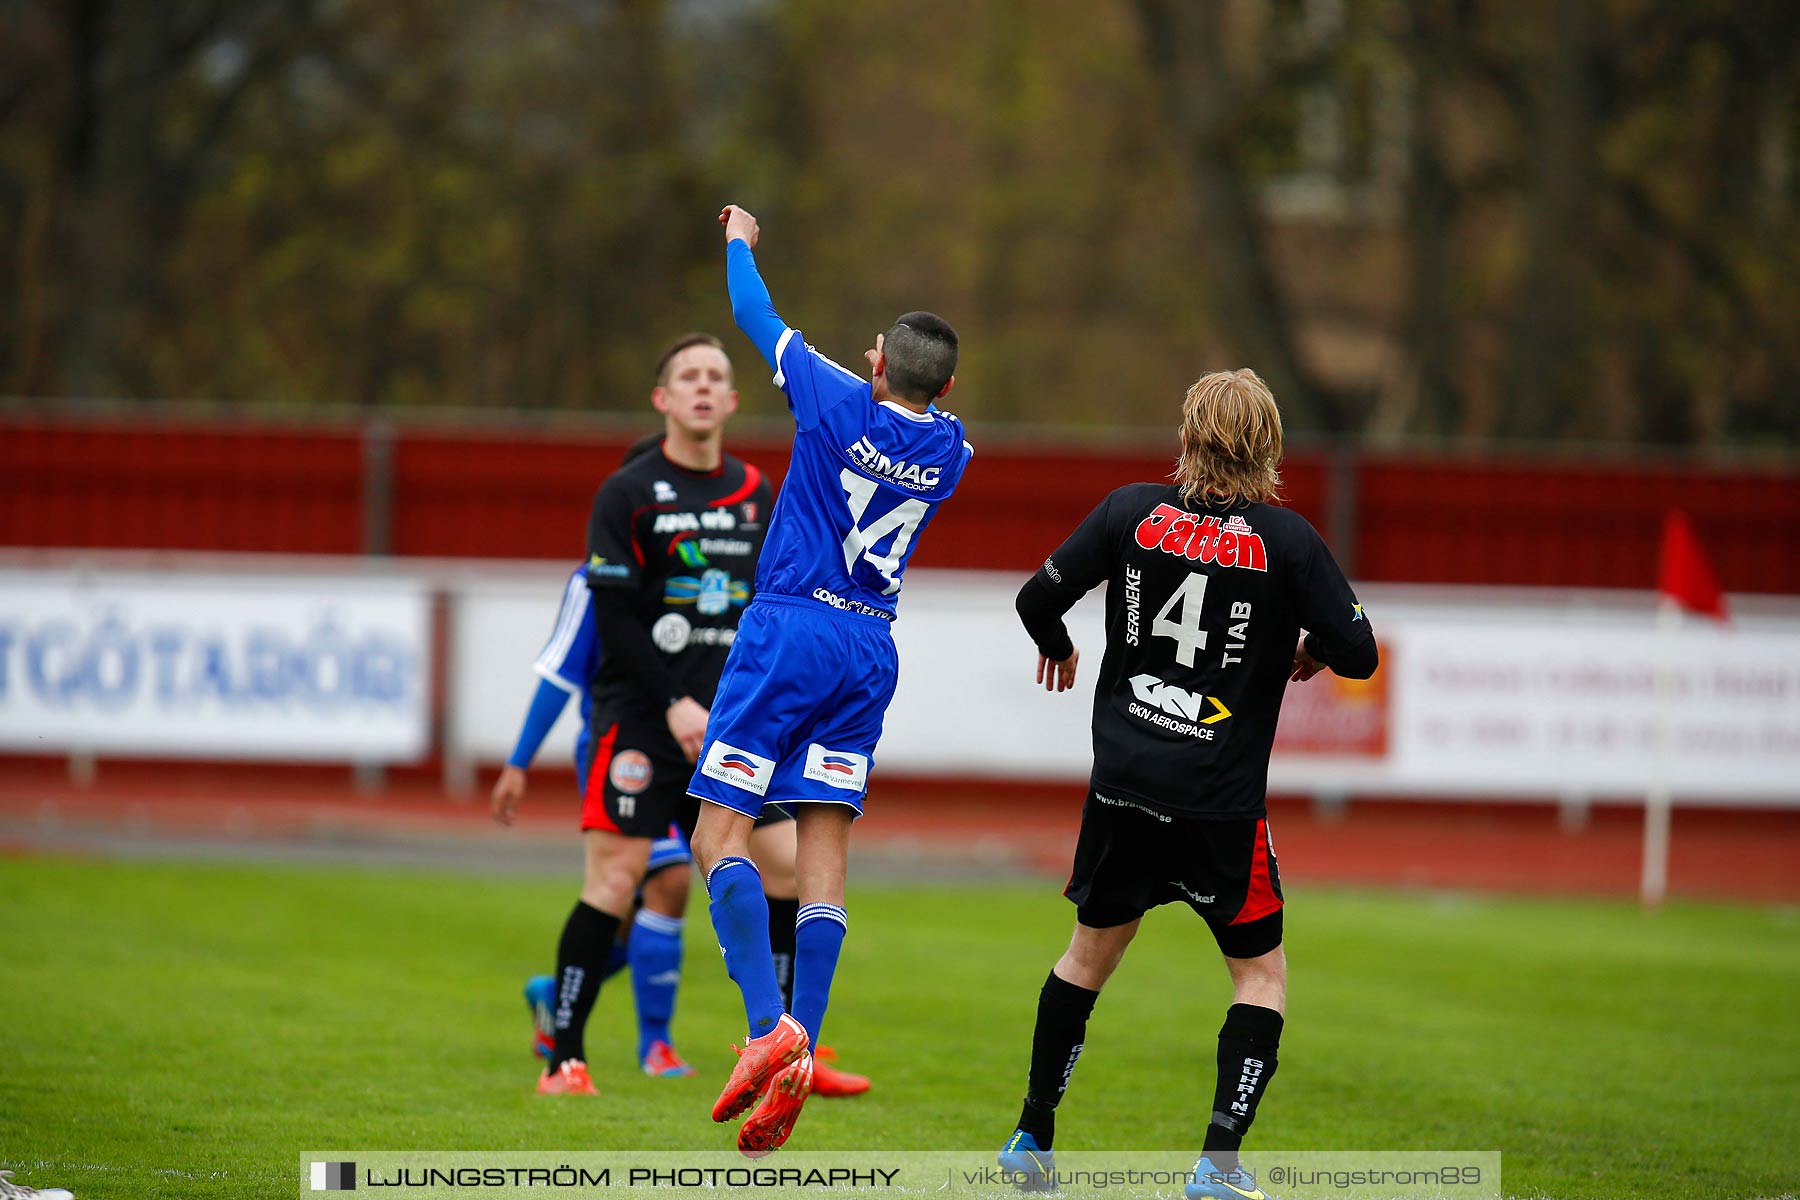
1203, 539
1175, 708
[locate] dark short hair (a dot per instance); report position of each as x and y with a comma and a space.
686, 341
921, 356
643, 446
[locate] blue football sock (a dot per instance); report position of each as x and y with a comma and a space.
655, 974
818, 936
616, 960
740, 917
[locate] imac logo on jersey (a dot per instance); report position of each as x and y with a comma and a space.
839, 768
740, 768
1204, 539
909, 475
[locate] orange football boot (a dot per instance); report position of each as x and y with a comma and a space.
662, 1062
829, 1081
769, 1126
758, 1059
570, 1079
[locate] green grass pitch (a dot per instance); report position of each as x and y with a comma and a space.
186, 1031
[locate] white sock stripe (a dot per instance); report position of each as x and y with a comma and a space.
825, 912
836, 908
658, 922
728, 862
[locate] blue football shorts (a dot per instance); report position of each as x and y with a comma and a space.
671, 851
799, 707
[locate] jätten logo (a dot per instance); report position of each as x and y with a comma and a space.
1203, 539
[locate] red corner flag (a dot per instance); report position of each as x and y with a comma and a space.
1684, 575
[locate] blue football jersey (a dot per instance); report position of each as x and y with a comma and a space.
864, 482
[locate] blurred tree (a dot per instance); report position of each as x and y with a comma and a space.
1208, 93
1456, 218
129, 103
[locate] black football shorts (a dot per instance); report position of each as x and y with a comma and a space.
634, 782
1131, 858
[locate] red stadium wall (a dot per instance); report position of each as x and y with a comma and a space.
181, 487
1570, 524
286, 489
514, 497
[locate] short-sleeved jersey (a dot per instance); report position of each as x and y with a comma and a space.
568, 658
864, 481
684, 544
1204, 607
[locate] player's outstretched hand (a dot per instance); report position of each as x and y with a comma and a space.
509, 793
739, 224
1058, 676
687, 721
1305, 665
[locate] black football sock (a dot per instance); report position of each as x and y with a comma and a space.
1056, 1043
581, 958
1247, 1043
782, 917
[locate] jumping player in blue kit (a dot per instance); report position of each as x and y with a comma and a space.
809, 678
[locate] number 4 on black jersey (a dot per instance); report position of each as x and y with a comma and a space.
1204, 606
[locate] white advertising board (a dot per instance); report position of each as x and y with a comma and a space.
955, 655
497, 628
1477, 696
164, 664
1712, 712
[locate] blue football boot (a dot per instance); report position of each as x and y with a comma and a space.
1210, 1183
540, 994
1021, 1156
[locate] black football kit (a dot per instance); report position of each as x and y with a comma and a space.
671, 559
1204, 608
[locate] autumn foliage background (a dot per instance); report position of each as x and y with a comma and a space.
1462, 219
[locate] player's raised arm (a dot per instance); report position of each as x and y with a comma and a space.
1079, 565
751, 306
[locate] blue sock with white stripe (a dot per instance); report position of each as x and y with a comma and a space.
740, 917
818, 936
655, 974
